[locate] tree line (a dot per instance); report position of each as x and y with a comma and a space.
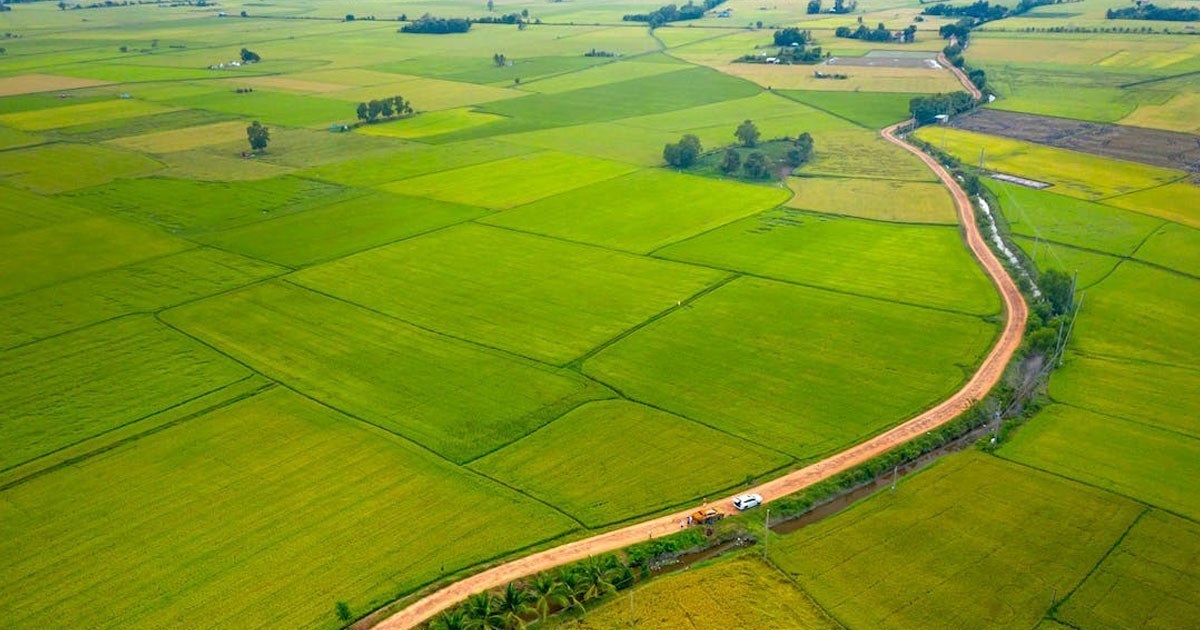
1151, 12
756, 165
436, 26
978, 13
925, 109
839, 7
388, 107
673, 13
880, 33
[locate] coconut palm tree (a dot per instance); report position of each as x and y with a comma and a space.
596, 577
453, 619
514, 602
482, 613
546, 590
572, 588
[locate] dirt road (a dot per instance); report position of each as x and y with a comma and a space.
976, 388
961, 76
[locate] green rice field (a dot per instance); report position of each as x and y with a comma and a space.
292, 385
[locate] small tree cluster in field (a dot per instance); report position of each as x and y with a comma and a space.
600, 53
792, 35
880, 33
389, 107
500, 60
507, 18
568, 588
925, 109
841, 6
747, 133
683, 154
258, 136
814, 7
758, 164
976, 14
436, 26
249, 56
674, 13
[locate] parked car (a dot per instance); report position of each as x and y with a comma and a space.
747, 501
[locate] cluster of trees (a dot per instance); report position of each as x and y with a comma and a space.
925, 109
982, 10
839, 6
535, 597
600, 53
1150, 12
978, 13
507, 18
249, 56
500, 60
673, 13
389, 107
436, 26
792, 55
258, 136
880, 33
684, 153
792, 35
1049, 315
758, 165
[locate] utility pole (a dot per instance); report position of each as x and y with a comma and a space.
1071, 327
766, 532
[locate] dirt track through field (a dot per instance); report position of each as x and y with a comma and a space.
988, 374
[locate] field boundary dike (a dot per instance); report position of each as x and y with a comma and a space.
988, 374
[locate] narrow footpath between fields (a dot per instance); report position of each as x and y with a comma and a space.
988, 374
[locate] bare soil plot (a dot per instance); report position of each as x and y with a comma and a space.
34, 83
1168, 149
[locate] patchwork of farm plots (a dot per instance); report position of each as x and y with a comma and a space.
505, 310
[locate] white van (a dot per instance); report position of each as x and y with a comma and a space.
747, 501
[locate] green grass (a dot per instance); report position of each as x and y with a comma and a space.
952, 547
875, 110
1145, 582
340, 228
139, 287
879, 199
190, 207
79, 385
611, 141
863, 154
278, 108
483, 70
795, 368
597, 75
539, 297
689, 87
11, 138
740, 592
21, 211
1149, 394
926, 265
1175, 247
1174, 202
613, 460
1135, 460
45, 256
1140, 313
56, 117
1045, 215
191, 525
642, 211
411, 160
40, 168
511, 182
1091, 266
1072, 173
454, 398
430, 124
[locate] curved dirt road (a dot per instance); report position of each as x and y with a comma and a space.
976, 388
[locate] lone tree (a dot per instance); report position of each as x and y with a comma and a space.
731, 162
249, 56
1056, 286
343, 612
258, 135
747, 133
756, 166
814, 6
683, 154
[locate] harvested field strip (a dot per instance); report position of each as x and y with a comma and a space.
32, 83
116, 109
878, 199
